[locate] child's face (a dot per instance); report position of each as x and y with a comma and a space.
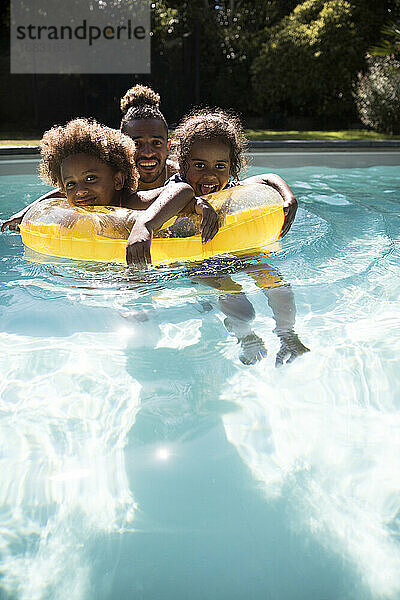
209, 166
88, 181
152, 147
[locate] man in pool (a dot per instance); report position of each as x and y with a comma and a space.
144, 122
148, 129
146, 125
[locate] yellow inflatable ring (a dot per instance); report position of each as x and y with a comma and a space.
251, 217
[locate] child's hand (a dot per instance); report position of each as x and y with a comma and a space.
289, 200
291, 348
138, 245
209, 221
289, 210
12, 223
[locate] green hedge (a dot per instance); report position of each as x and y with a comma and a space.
309, 61
377, 94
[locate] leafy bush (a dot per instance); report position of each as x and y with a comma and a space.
309, 61
377, 94
390, 44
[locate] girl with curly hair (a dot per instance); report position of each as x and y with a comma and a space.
209, 148
94, 165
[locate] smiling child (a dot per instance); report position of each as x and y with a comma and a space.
94, 165
209, 148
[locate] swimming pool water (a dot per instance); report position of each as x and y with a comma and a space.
139, 457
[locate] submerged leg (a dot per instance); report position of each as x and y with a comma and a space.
281, 300
239, 315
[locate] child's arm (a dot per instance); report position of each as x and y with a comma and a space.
164, 204
289, 200
209, 218
200, 206
15, 220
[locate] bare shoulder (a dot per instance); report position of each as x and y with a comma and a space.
172, 167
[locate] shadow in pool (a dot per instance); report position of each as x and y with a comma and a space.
203, 528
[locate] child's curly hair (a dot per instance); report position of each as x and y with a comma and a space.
141, 102
84, 136
211, 124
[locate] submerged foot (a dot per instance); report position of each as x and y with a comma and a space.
204, 306
139, 316
291, 348
252, 346
253, 349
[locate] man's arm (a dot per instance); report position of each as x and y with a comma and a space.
289, 200
14, 221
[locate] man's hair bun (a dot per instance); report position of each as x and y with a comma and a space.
139, 95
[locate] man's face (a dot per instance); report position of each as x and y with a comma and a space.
152, 147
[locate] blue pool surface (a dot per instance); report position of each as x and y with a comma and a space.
141, 459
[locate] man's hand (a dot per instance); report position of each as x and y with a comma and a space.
209, 221
12, 223
138, 245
